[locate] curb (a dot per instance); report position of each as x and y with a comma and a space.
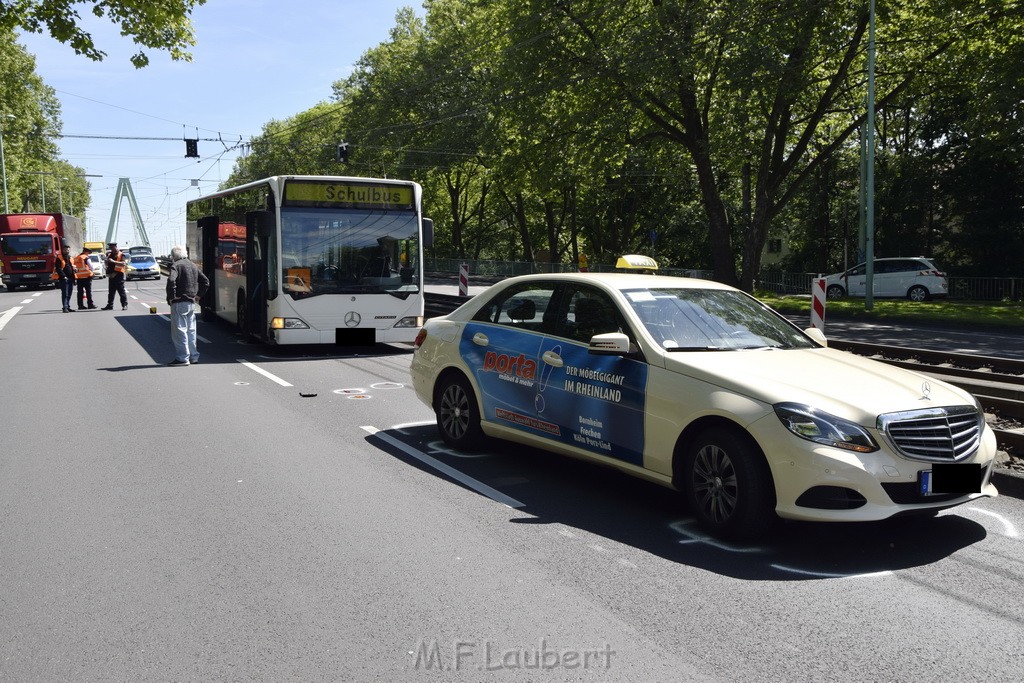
1009, 483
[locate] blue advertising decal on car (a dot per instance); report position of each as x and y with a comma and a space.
556, 388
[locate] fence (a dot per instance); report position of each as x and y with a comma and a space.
778, 282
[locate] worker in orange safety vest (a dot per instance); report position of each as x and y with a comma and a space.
116, 262
83, 278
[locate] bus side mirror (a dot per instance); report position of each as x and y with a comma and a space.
428, 233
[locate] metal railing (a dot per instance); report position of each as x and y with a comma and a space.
778, 282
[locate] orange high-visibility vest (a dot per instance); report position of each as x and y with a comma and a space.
117, 256
82, 267
58, 265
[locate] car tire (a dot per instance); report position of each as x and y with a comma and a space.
728, 485
835, 292
458, 413
918, 293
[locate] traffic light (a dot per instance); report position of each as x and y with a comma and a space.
341, 153
191, 148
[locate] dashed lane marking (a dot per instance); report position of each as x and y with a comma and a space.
256, 368
6, 317
455, 474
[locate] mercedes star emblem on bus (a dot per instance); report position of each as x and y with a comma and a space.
352, 319
926, 391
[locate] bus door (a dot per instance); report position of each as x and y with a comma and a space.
253, 319
208, 231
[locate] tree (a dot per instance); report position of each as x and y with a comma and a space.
30, 120
157, 25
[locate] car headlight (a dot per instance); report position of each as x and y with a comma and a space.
828, 430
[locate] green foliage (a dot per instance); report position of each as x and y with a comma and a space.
158, 25
691, 130
30, 120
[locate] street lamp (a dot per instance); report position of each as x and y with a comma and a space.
3, 163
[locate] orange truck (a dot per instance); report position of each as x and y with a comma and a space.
29, 244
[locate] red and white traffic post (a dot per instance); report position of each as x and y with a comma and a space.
464, 279
818, 304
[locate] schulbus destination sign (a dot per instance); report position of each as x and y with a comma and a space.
348, 195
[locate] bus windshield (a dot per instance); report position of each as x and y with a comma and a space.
327, 251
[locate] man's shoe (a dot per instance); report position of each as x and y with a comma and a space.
193, 362
107, 308
178, 362
124, 307
71, 310
91, 307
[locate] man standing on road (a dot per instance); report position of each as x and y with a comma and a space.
83, 278
186, 285
65, 274
115, 277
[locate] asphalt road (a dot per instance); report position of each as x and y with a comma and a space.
291, 515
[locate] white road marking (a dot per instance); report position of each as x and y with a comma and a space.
27, 301
455, 474
828, 575
408, 425
697, 536
263, 372
1011, 530
8, 315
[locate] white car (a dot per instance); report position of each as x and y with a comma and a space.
698, 386
917, 279
97, 262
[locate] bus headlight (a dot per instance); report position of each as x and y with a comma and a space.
410, 321
288, 324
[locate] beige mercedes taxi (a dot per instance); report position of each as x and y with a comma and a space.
698, 386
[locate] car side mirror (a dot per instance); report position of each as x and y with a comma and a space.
817, 335
609, 344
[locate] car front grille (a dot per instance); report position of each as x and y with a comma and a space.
27, 265
934, 434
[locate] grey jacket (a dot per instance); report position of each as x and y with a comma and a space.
185, 282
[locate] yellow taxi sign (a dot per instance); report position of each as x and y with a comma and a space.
636, 262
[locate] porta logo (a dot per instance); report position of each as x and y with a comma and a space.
519, 365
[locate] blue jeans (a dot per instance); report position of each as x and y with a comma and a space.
67, 290
183, 332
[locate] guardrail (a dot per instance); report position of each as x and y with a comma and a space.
776, 281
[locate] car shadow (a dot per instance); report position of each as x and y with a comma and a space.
554, 489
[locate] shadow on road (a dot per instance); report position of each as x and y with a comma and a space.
607, 503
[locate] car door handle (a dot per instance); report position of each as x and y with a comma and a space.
553, 359
480, 339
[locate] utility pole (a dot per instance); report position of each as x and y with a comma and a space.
869, 228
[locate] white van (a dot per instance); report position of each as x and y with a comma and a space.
915, 278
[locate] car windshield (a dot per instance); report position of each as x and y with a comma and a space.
712, 320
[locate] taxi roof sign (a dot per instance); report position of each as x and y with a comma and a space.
636, 262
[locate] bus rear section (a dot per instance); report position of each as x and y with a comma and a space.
314, 260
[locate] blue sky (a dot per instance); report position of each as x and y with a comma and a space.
254, 61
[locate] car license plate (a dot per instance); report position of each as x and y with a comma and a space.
950, 478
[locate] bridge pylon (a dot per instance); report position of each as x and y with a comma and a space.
124, 190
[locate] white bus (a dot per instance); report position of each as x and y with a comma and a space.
313, 259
